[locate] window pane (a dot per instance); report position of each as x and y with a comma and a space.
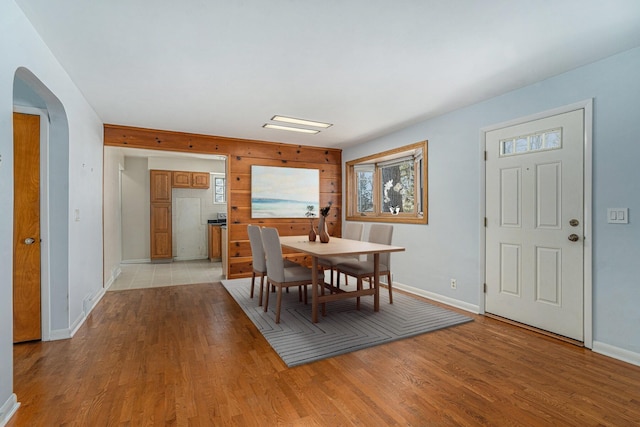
553, 139
536, 142
507, 146
397, 187
522, 145
364, 191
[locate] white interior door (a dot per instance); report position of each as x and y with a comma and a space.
534, 236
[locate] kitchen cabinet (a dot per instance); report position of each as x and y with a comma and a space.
200, 180
183, 179
160, 216
180, 179
215, 242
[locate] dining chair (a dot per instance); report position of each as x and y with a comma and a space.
278, 275
258, 259
352, 231
378, 233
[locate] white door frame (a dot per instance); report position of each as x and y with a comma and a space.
587, 105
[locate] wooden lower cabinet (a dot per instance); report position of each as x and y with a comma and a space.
161, 231
215, 246
160, 216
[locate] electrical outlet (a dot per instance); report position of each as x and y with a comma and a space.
454, 284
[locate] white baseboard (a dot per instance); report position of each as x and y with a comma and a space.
8, 408
616, 352
180, 258
136, 261
114, 276
598, 347
88, 304
439, 298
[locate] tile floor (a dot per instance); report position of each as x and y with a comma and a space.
136, 276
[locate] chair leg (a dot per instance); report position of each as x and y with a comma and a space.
278, 304
359, 287
299, 293
261, 289
331, 277
305, 294
266, 296
253, 282
390, 288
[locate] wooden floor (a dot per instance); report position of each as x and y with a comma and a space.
187, 355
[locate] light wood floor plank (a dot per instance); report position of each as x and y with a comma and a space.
187, 355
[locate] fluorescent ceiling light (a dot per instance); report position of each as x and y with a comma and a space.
301, 122
289, 128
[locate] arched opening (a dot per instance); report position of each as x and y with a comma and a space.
30, 94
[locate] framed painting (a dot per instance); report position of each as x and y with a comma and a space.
279, 192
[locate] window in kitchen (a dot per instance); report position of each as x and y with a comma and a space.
389, 186
219, 188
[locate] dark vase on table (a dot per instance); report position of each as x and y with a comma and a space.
312, 233
323, 231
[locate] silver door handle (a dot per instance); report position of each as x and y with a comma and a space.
29, 241
574, 237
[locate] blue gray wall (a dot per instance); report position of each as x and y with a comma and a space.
449, 246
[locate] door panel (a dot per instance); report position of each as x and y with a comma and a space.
534, 177
27, 324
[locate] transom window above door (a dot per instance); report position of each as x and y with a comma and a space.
539, 141
389, 187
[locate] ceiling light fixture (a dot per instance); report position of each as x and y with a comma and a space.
301, 122
289, 128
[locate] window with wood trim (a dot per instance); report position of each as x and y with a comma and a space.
389, 186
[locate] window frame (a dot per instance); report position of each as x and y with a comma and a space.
214, 186
377, 161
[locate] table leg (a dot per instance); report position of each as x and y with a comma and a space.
314, 290
376, 281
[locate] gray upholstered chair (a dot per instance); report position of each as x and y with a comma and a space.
259, 261
278, 275
378, 233
352, 231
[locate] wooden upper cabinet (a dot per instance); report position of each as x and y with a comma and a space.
200, 179
182, 179
160, 186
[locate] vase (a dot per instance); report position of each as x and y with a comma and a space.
312, 233
322, 230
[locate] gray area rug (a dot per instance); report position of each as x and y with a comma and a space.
344, 329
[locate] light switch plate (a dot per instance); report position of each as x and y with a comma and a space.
618, 215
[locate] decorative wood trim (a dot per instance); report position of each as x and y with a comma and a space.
241, 155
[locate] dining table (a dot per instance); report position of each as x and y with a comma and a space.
338, 247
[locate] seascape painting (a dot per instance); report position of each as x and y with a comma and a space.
278, 192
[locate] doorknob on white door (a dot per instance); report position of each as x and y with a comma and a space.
574, 237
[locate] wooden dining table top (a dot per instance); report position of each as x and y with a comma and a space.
336, 246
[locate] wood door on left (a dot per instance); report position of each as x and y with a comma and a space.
27, 323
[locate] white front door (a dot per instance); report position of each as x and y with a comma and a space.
534, 235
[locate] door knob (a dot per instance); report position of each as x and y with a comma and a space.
29, 241
574, 237
574, 223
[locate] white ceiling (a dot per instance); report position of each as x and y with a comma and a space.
370, 67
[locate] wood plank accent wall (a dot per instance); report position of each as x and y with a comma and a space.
241, 155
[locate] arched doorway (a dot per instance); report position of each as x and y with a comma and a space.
31, 96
